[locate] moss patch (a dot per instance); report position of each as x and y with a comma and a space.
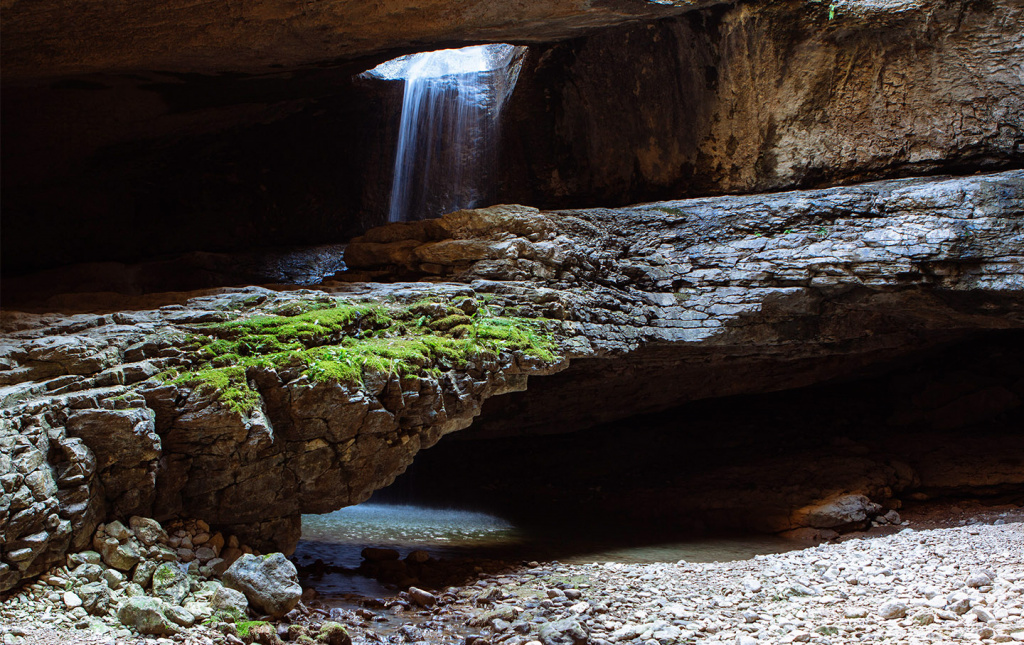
347, 343
245, 627
332, 633
163, 573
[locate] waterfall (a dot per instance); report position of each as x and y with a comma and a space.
446, 155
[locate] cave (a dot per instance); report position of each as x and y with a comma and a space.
628, 273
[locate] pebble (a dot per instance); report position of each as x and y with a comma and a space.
892, 609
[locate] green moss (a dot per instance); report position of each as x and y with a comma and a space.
246, 626
227, 384
349, 342
163, 573
166, 376
450, 322
332, 633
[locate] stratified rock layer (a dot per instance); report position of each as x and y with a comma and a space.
687, 295
719, 296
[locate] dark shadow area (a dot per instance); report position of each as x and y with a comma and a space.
944, 422
928, 436
98, 284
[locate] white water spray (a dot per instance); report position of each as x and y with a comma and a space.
447, 141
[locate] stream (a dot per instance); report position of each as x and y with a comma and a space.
338, 538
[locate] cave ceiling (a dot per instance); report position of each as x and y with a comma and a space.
44, 39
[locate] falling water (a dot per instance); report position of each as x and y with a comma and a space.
447, 141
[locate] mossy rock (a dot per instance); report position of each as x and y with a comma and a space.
295, 631
332, 633
258, 632
450, 322
352, 343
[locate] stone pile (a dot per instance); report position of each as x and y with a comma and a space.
961, 584
143, 579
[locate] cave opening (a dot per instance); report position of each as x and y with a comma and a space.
933, 438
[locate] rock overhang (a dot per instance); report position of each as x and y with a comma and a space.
678, 293
41, 42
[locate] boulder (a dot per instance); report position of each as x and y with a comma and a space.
205, 554
147, 616
170, 583
179, 615
121, 556
148, 531
201, 610
144, 573
113, 578
567, 631
118, 531
88, 572
230, 603
332, 633
421, 597
892, 610
840, 510
72, 600
95, 597
262, 634
270, 582
84, 557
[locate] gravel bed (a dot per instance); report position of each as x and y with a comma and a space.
946, 585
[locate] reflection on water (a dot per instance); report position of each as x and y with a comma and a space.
338, 538
341, 535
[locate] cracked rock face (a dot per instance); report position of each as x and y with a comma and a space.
728, 98
768, 291
95, 438
702, 297
768, 96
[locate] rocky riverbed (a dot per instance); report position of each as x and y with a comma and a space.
953, 584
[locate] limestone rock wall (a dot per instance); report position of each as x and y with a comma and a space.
86, 433
48, 40
739, 97
717, 296
762, 96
